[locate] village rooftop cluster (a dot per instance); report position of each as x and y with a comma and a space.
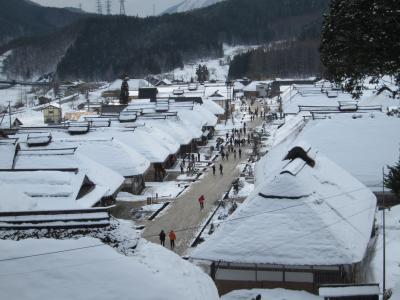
88, 181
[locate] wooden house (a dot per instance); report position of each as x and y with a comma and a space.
307, 224
52, 113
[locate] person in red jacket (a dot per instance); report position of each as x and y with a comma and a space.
201, 201
172, 238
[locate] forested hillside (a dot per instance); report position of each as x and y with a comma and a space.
105, 47
297, 58
22, 18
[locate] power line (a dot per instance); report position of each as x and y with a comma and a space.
53, 252
192, 227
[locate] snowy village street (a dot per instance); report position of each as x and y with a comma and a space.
184, 216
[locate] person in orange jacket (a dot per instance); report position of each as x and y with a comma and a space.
172, 238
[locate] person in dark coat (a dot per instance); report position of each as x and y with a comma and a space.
221, 168
240, 153
162, 238
198, 156
213, 168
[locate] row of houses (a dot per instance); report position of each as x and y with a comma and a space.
78, 166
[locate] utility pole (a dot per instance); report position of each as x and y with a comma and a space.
122, 7
99, 7
384, 234
9, 111
108, 7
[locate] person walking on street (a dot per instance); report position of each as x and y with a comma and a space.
221, 168
201, 201
172, 238
162, 238
213, 168
223, 155
234, 154
240, 153
182, 165
227, 155
198, 156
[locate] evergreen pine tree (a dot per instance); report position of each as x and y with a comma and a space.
392, 179
360, 40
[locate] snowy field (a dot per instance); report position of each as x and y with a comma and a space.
218, 68
15, 94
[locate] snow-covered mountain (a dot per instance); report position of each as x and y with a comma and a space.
188, 5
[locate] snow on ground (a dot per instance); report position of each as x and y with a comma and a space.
147, 211
17, 93
392, 250
166, 190
244, 191
275, 294
98, 272
382, 99
218, 68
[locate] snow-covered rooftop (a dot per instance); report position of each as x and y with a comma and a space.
111, 153
45, 190
362, 146
252, 86
175, 128
68, 159
7, 150
96, 271
213, 107
299, 215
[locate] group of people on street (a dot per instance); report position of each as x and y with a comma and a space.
221, 169
172, 238
191, 162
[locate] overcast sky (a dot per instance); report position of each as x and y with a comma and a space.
132, 7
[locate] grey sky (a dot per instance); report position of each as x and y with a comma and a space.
132, 7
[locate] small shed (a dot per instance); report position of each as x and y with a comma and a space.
52, 113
